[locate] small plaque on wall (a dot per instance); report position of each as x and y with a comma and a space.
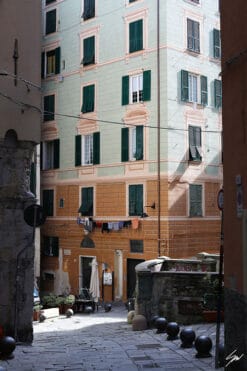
67, 252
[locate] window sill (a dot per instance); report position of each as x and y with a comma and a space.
193, 52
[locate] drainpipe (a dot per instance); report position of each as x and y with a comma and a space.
158, 121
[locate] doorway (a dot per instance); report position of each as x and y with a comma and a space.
85, 272
131, 276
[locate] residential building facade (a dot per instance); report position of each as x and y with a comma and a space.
234, 85
131, 137
20, 112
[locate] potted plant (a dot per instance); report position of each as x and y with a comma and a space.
50, 301
36, 312
211, 298
66, 303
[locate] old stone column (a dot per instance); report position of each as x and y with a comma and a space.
16, 238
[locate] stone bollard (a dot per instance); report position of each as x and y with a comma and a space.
139, 323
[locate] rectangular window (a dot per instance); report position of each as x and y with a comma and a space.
50, 62
88, 99
51, 21
88, 9
135, 200
195, 197
51, 246
193, 35
136, 88
47, 2
50, 154
86, 208
217, 44
136, 246
136, 36
88, 51
87, 149
195, 143
217, 93
49, 107
48, 202
194, 88
132, 144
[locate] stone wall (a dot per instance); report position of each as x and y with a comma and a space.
177, 296
16, 246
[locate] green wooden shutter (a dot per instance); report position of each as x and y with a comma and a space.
55, 246
78, 150
146, 85
184, 85
216, 42
86, 208
136, 36
49, 107
125, 144
56, 149
125, 90
96, 148
204, 90
88, 51
135, 199
57, 60
139, 143
51, 21
88, 99
217, 93
48, 201
42, 65
89, 9
195, 200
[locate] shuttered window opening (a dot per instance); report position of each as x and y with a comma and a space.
88, 99
135, 200
87, 149
48, 201
136, 36
86, 208
50, 154
49, 107
195, 145
194, 88
51, 21
195, 197
193, 35
88, 9
217, 93
132, 144
88, 51
50, 62
217, 43
51, 246
136, 88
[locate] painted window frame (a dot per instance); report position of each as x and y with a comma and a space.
48, 26
88, 18
131, 18
51, 68
51, 246
142, 95
49, 103
193, 35
132, 143
87, 206
195, 143
187, 93
48, 201
134, 209
194, 203
50, 154
80, 149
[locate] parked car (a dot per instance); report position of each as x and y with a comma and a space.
36, 298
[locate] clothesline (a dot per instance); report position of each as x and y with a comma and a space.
89, 224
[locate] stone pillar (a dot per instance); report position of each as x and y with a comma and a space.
16, 239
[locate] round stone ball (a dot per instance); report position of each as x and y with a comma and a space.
160, 324
172, 330
203, 345
7, 345
88, 309
139, 323
107, 307
42, 317
187, 336
153, 320
69, 313
130, 316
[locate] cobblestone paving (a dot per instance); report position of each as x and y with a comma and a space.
105, 341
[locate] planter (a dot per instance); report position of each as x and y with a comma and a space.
64, 307
211, 316
36, 314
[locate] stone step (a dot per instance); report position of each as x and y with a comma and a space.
50, 313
